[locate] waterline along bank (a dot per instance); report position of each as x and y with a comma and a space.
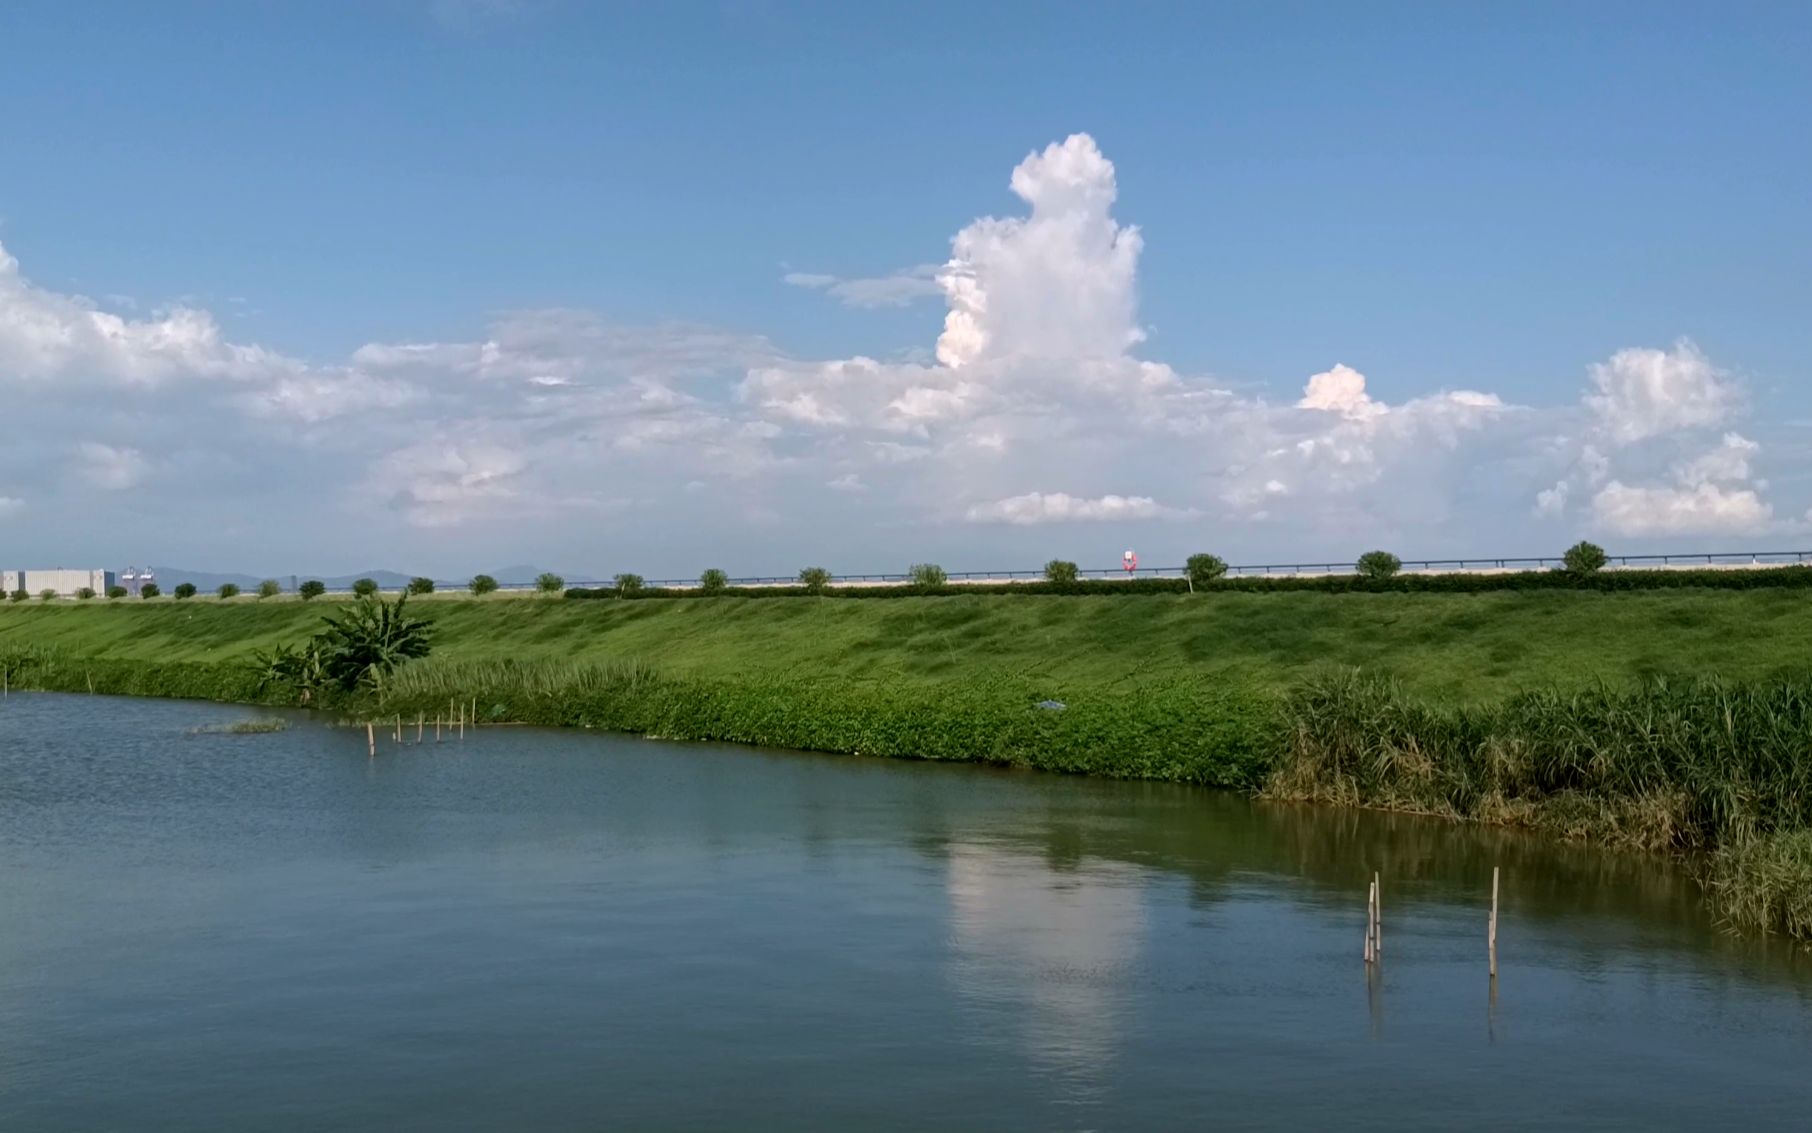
1671, 721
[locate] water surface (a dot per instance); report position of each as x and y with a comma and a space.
573, 930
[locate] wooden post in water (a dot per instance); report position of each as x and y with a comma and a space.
420, 721
1377, 916
1492, 937
1371, 953
399, 727
462, 721
370, 741
437, 729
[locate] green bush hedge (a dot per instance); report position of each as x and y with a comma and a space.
1749, 578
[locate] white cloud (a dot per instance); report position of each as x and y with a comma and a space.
10, 505
112, 468
896, 290
1705, 509
1340, 390
1641, 393
445, 484
1059, 507
1056, 284
542, 415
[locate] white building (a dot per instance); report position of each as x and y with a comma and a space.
67, 583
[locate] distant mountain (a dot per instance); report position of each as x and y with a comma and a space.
518, 575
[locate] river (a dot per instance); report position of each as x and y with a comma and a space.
573, 930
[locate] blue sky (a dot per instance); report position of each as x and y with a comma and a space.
1487, 198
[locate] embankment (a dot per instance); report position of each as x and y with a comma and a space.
1581, 713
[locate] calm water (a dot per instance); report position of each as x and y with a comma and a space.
582, 931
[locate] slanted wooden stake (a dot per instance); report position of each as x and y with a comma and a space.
370, 740
1492, 938
437, 729
420, 722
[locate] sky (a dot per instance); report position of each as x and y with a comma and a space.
440, 285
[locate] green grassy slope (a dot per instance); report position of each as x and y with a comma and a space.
1450, 647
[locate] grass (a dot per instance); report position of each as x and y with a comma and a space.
1706, 767
1448, 648
263, 726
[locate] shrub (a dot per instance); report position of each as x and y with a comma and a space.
184, 590
1060, 571
269, 588
1584, 558
114, 592
928, 576
85, 593
816, 580
365, 587
1203, 569
229, 590
549, 583
47, 594
311, 589
713, 581
482, 584
1378, 565
149, 590
421, 586
19, 595
630, 584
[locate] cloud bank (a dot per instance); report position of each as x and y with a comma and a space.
569, 433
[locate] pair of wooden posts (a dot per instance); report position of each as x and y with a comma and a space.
421, 724
1374, 924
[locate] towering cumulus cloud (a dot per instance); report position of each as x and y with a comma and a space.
1056, 284
1034, 410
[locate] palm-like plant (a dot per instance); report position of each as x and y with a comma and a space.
302, 669
369, 640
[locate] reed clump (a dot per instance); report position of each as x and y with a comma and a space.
1710, 768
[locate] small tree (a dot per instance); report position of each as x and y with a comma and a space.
184, 590
85, 593
1061, 571
815, 579
116, 592
1379, 565
1584, 558
481, 584
713, 581
229, 590
19, 595
149, 590
365, 587
1203, 569
928, 576
549, 583
421, 586
629, 584
311, 589
47, 594
269, 588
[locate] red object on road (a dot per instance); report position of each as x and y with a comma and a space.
1129, 562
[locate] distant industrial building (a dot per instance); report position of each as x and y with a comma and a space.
66, 583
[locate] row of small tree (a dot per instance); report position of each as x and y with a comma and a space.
1201, 569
